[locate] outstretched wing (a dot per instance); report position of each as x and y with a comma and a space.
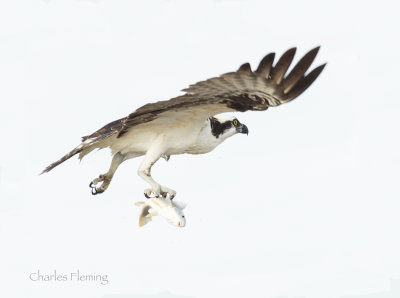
242, 90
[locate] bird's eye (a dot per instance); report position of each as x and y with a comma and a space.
235, 122
183, 216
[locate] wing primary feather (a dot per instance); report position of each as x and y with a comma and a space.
265, 65
305, 82
245, 68
299, 70
279, 70
242, 90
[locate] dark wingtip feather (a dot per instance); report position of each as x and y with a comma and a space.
316, 49
265, 65
282, 65
300, 69
245, 68
305, 82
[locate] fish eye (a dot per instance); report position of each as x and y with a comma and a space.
235, 122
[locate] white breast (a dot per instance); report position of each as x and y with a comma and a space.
179, 137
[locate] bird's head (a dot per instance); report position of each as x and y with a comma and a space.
223, 126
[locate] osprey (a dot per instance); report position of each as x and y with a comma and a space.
191, 123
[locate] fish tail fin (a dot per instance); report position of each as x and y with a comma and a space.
143, 219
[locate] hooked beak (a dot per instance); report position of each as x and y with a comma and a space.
242, 129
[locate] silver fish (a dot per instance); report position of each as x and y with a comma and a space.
170, 210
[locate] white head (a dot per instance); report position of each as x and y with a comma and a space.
224, 126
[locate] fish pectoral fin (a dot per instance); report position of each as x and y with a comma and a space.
152, 214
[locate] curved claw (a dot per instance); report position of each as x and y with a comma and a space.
161, 192
166, 194
163, 195
95, 191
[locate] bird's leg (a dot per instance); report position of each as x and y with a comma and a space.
144, 171
106, 178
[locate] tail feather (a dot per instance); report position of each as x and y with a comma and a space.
84, 148
100, 139
64, 158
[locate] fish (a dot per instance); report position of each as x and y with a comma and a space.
170, 210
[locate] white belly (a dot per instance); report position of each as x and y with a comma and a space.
188, 138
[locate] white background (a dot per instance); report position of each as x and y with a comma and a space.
306, 205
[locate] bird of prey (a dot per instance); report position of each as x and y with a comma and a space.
193, 122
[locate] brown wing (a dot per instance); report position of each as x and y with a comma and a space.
242, 90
